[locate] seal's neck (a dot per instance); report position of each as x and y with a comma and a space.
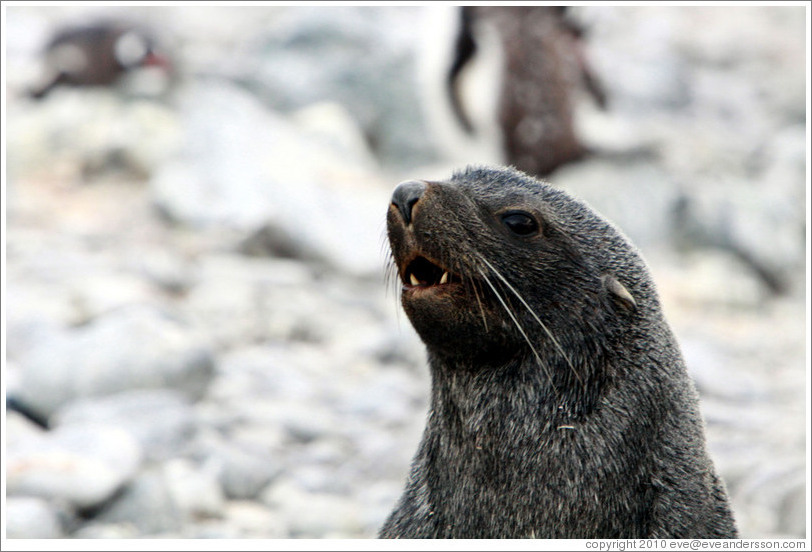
469, 399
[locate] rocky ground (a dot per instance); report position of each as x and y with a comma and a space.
195, 292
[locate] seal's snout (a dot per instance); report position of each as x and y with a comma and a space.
406, 195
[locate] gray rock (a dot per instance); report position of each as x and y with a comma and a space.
305, 423
792, 520
95, 131
317, 477
70, 285
126, 349
243, 457
361, 57
102, 292
638, 80
268, 440
735, 122
207, 529
82, 465
262, 298
164, 268
245, 167
330, 123
389, 397
254, 520
638, 197
711, 278
195, 490
243, 473
146, 504
313, 515
767, 235
386, 454
378, 499
95, 530
768, 493
267, 372
160, 419
706, 364
396, 346
36, 314
31, 518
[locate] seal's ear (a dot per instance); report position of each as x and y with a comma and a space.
619, 292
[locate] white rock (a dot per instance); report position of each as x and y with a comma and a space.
242, 472
35, 315
313, 515
263, 299
160, 419
126, 349
85, 128
711, 279
20, 430
83, 465
31, 518
254, 520
94, 530
98, 293
145, 504
270, 371
194, 490
331, 124
246, 166
379, 499
361, 57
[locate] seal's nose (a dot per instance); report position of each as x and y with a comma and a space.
406, 195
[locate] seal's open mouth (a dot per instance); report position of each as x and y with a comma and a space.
423, 273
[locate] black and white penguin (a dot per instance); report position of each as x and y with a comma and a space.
98, 54
512, 76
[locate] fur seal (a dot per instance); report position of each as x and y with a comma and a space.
560, 403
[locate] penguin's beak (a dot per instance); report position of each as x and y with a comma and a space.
154, 59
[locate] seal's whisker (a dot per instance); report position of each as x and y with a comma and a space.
391, 278
391, 275
476, 291
535, 316
471, 286
521, 330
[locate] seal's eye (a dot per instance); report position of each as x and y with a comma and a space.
520, 223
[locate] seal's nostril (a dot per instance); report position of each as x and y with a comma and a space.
406, 195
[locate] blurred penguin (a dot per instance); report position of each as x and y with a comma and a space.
98, 54
511, 80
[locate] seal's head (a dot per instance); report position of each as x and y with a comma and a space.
560, 403
496, 264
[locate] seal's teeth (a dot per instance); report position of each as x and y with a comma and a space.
444, 279
413, 279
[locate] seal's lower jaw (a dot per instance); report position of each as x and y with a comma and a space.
410, 292
449, 315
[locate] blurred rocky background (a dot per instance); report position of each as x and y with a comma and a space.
195, 302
